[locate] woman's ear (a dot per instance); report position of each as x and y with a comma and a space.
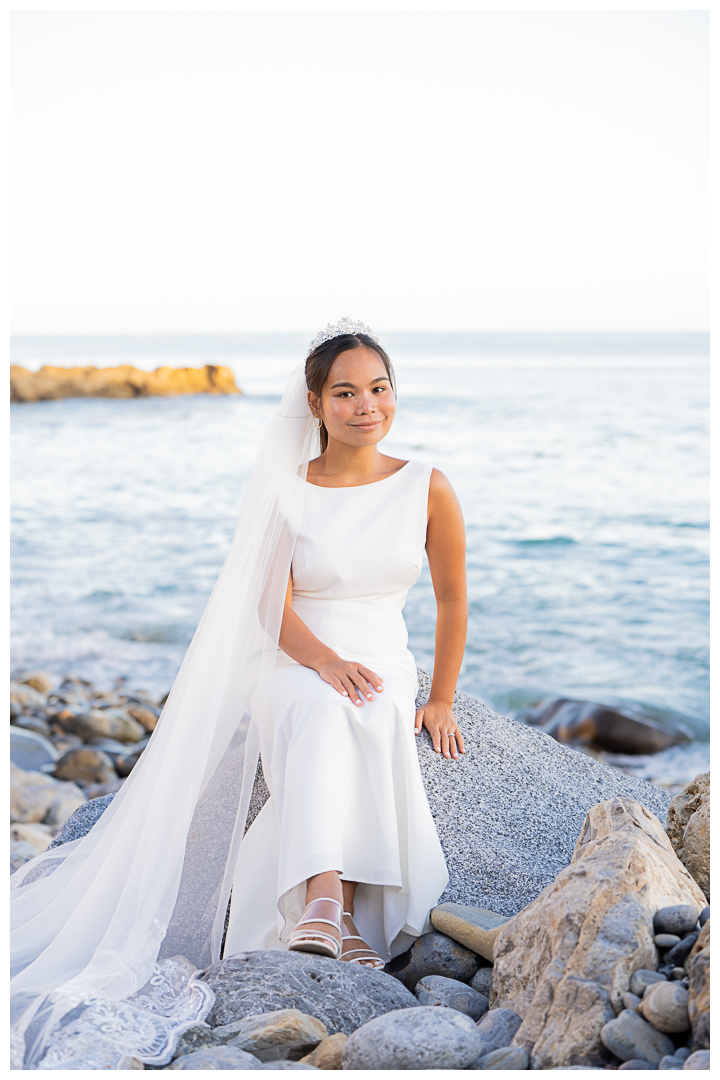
314, 404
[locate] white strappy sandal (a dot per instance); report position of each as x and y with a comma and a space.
317, 941
366, 957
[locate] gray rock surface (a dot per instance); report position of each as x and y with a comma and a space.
422, 1038
482, 980
498, 1028
642, 978
30, 750
629, 1036
635, 1063
679, 919
699, 1060
81, 821
196, 1038
670, 1062
215, 1057
343, 996
433, 954
437, 990
506, 1057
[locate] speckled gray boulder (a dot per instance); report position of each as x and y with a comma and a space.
215, 1057
82, 820
433, 954
506, 1057
343, 996
482, 980
498, 1028
423, 1038
437, 990
629, 1036
196, 1038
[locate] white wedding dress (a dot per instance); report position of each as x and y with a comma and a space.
345, 782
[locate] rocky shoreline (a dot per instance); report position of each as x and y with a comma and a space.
125, 381
574, 932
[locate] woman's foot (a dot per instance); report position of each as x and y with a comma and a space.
355, 949
324, 885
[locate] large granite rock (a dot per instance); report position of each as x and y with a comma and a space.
81, 821
688, 826
125, 381
565, 962
342, 996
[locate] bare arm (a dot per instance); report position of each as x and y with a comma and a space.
445, 548
299, 642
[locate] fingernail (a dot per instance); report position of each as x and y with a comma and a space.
345, 693
369, 697
358, 702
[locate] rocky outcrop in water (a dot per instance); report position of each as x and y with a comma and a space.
125, 381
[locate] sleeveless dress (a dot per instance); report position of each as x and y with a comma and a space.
346, 792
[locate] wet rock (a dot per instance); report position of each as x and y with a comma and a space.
476, 928
25, 698
145, 716
106, 724
666, 941
641, 979
29, 750
52, 383
565, 962
87, 765
688, 826
679, 953
482, 981
678, 919
433, 954
698, 967
507, 1057
33, 722
700, 1059
343, 996
422, 1038
498, 1028
631, 1001
216, 1057
619, 731
272, 1036
665, 1006
629, 1036
437, 990
21, 852
328, 1052
81, 821
38, 836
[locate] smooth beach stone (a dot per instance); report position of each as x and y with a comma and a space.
475, 927
216, 1057
700, 1059
680, 919
629, 1036
343, 996
26, 697
88, 765
81, 821
482, 981
437, 990
498, 1028
670, 1062
704, 916
144, 715
433, 954
683, 1052
31, 750
21, 852
422, 1038
679, 953
272, 1036
106, 724
328, 1052
636, 1063
506, 1057
38, 725
640, 980
665, 1006
666, 941
286, 1065
631, 1001
41, 681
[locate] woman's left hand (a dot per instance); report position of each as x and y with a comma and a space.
438, 718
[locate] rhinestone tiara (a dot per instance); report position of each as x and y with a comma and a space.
343, 326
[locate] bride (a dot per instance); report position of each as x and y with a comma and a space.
301, 659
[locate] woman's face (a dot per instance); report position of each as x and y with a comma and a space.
357, 401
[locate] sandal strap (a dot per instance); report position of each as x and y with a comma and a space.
305, 922
297, 935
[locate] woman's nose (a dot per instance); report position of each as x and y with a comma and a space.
366, 403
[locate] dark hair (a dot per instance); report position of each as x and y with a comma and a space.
321, 359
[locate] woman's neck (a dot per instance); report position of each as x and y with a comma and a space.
353, 464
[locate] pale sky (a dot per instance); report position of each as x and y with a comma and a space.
238, 171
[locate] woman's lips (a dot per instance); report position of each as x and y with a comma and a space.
368, 426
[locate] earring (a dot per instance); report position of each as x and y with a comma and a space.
318, 422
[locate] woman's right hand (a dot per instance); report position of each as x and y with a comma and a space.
348, 678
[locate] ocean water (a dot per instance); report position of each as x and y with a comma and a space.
581, 463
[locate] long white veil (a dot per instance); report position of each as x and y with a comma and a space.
103, 926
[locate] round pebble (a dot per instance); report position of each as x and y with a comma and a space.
636, 1063
670, 1062
699, 1060
704, 915
643, 978
666, 941
631, 1001
506, 1057
665, 1006
424, 1037
437, 990
678, 919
